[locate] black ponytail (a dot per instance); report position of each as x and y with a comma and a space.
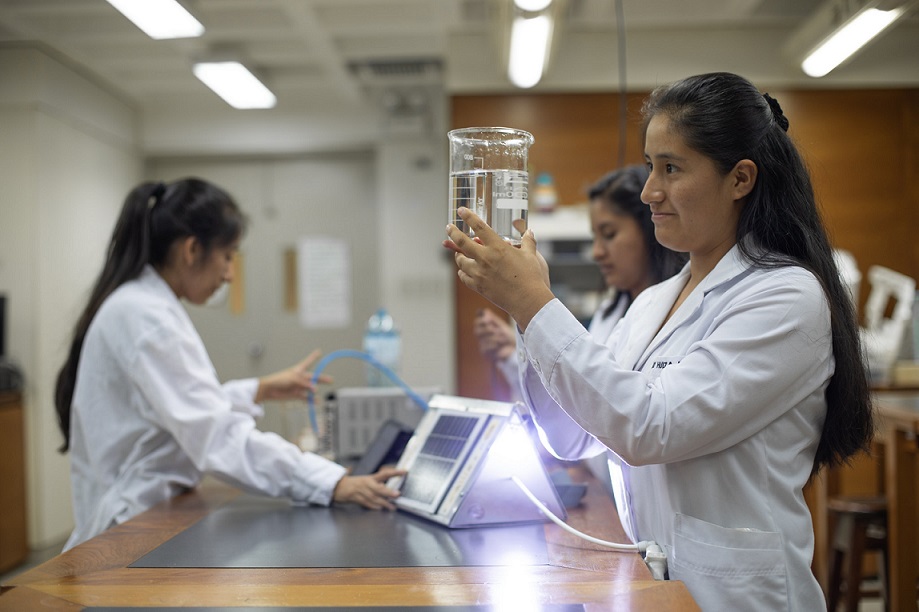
152, 217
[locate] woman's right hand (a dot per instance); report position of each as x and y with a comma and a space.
515, 280
291, 383
497, 341
368, 491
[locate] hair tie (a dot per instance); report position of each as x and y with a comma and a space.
155, 195
777, 113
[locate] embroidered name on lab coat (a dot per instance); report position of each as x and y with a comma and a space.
659, 363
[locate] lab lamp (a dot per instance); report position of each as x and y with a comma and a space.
160, 19
530, 40
235, 84
532, 5
842, 27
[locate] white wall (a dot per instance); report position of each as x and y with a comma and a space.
284, 200
67, 156
418, 271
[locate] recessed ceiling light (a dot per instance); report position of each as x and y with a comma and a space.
160, 19
235, 84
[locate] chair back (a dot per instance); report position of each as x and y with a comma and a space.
883, 336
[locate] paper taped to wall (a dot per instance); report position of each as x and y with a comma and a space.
324, 279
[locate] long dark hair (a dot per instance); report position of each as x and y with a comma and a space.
153, 217
621, 191
727, 119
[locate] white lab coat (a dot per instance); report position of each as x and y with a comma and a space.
600, 327
150, 418
713, 424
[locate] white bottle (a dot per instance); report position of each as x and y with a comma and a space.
382, 342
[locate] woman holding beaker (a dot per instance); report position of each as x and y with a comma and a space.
725, 387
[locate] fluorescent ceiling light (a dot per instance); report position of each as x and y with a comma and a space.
160, 19
529, 50
847, 40
532, 5
234, 83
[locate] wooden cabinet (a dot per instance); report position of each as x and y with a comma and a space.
13, 542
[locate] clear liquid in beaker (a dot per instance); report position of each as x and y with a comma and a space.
499, 197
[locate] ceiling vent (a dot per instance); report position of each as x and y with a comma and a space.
403, 91
389, 73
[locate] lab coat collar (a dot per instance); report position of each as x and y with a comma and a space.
732, 264
651, 313
149, 277
729, 267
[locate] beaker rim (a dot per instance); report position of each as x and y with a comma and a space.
470, 131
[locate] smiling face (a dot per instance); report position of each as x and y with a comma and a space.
619, 248
694, 207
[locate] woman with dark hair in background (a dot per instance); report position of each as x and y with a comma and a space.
138, 400
724, 388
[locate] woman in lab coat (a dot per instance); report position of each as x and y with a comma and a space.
138, 400
725, 387
628, 255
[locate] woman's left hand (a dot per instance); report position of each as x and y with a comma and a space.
292, 383
513, 279
368, 491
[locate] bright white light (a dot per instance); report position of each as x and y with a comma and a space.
160, 19
532, 5
847, 40
529, 49
512, 443
235, 84
513, 587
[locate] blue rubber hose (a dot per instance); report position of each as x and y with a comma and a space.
311, 400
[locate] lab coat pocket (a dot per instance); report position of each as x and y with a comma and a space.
729, 569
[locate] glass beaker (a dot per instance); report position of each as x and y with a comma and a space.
488, 175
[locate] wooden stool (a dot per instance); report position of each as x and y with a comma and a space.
861, 526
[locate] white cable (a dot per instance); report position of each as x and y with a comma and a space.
641, 546
653, 555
